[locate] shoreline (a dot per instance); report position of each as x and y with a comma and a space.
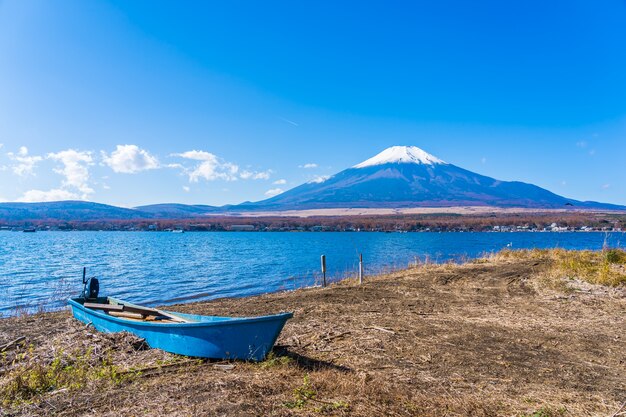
365, 221
305, 279
463, 210
330, 231
505, 335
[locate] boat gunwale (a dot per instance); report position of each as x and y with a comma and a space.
229, 320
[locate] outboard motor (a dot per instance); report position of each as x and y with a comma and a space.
91, 286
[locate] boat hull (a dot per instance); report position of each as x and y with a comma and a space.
249, 338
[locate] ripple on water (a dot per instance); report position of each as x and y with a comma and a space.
41, 270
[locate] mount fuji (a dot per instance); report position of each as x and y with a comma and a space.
407, 176
398, 177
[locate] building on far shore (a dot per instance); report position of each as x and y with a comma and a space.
241, 228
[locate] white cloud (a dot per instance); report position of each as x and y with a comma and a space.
263, 175
606, 186
129, 159
274, 192
483, 160
210, 167
57, 194
319, 179
186, 189
197, 155
25, 164
75, 169
280, 182
308, 165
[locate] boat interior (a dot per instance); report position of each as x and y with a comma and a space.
132, 312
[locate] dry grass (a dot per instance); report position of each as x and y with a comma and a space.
606, 267
72, 360
484, 338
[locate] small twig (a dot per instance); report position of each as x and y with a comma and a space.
329, 338
381, 329
50, 404
224, 366
321, 402
12, 343
57, 392
619, 411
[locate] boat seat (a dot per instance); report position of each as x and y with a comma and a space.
133, 312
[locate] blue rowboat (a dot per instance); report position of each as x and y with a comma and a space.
243, 338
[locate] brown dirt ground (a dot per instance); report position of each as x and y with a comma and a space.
479, 339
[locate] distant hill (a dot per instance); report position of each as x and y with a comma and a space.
67, 210
173, 210
398, 177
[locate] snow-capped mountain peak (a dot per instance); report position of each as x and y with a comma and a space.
401, 155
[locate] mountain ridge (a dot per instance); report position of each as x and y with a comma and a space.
397, 177
406, 176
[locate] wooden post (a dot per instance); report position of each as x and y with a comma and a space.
324, 270
360, 268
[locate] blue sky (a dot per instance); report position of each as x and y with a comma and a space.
141, 102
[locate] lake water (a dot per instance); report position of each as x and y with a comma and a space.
40, 270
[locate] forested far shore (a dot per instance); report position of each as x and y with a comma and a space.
579, 221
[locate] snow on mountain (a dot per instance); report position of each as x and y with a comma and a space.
400, 155
407, 176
